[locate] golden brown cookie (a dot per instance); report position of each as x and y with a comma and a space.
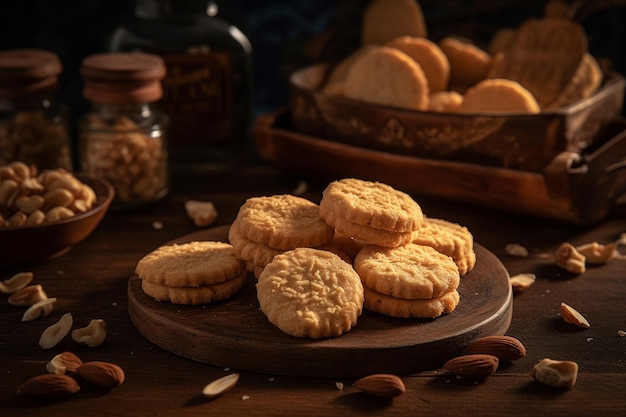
445, 101
430, 58
311, 293
255, 253
339, 72
191, 264
498, 95
389, 77
410, 271
372, 204
348, 245
451, 239
403, 308
384, 20
195, 295
283, 222
468, 63
371, 235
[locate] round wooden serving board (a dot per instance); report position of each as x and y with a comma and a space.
235, 333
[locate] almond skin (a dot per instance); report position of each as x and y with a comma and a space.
103, 374
505, 348
49, 386
381, 385
477, 366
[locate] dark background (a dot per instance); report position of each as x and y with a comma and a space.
285, 34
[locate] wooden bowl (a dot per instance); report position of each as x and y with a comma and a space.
27, 245
527, 142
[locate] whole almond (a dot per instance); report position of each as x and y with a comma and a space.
49, 386
505, 348
381, 385
476, 366
65, 362
103, 374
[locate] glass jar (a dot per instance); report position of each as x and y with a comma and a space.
208, 86
33, 125
123, 138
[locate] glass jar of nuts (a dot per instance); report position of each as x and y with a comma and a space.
123, 138
33, 124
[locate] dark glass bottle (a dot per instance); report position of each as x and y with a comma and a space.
207, 89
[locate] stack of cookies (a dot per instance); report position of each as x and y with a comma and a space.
267, 226
407, 262
192, 273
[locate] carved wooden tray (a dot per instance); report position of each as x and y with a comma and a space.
235, 333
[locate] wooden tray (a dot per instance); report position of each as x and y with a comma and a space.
235, 333
574, 187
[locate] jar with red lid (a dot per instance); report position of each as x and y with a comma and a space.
123, 138
33, 124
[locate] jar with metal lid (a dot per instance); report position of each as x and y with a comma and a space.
123, 138
33, 124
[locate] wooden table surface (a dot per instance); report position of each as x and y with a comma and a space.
91, 281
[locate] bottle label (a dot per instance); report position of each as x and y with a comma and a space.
198, 97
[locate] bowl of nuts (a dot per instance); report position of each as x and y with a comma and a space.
43, 214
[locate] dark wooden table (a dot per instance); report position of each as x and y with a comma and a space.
91, 282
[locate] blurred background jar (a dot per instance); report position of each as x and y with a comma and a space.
33, 124
208, 86
123, 138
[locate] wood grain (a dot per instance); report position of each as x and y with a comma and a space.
236, 334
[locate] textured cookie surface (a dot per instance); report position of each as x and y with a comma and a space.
283, 222
195, 295
371, 204
190, 264
410, 271
388, 77
310, 293
255, 253
398, 307
451, 239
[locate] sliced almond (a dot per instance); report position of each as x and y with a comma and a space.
596, 253
570, 315
522, 282
476, 365
27, 296
220, 385
40, 309
16, 282
381, 385
515, 249
91, 335
556, 373
55, 333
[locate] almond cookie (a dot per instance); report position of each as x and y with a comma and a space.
339, 72
190, 264
468, 63
283, 222
430, 58
311, 293
409, 271
384, 20
371, 204
372, 235
195, 295
388, 77
403, 308
451, 239
498, 95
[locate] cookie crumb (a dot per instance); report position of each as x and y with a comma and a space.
157, 225
339, 385
621, 333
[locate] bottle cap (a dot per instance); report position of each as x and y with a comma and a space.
27, 72
123, 77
